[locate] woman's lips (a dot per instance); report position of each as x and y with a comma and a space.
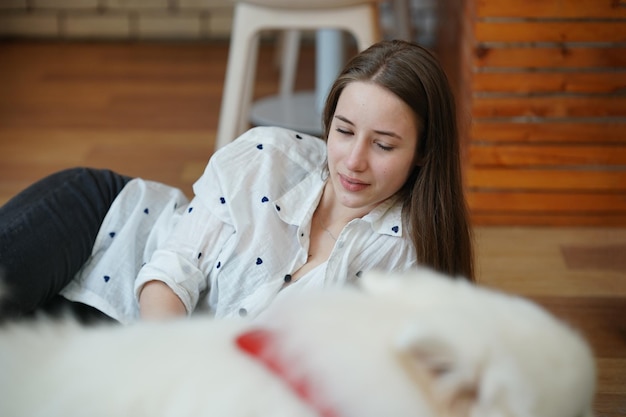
352, 184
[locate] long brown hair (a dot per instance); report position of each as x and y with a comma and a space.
434, 207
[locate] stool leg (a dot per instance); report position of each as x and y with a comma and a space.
248, 87
289, 53
330, 59
367, 32
238, 71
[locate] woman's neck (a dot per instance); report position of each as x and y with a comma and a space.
333, 215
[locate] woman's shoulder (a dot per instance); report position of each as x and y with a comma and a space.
262, 153
275, 142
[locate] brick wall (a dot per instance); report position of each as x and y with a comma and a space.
157, 19
116, 19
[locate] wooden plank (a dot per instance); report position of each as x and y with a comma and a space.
550, 31
549, 132
550, 57
547, 203
610, 9
595, 180
585, 313
490, 218
546, 155
549, 82
550, 106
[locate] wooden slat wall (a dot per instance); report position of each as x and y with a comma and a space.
547, 82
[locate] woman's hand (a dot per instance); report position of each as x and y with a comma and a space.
158, 302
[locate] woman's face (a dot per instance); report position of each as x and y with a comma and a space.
372, 143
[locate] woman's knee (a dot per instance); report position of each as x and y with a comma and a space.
109, 183
47, 232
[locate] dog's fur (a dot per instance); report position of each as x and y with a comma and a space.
416, 345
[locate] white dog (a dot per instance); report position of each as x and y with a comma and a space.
417, 345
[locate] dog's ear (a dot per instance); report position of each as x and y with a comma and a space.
436, 366
459, 379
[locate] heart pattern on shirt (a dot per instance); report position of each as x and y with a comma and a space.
259, 261
106, 278
259, 146
395, 229
265, 200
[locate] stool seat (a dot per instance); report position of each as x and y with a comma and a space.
359, 18
294, 111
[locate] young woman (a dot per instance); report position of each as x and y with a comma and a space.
274, 212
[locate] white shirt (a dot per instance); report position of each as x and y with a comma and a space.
229, 249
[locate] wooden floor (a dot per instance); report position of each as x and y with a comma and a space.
151, 110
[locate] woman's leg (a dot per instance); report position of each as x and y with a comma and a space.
47, 233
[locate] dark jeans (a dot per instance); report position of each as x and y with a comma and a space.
47, 233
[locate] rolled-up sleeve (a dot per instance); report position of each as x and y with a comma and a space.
185, 258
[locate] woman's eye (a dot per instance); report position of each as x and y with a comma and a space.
342, 131
384, 147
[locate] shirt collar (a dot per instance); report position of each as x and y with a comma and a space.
386, 218
298, 204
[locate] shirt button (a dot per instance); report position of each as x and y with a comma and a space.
287, 278
243, 312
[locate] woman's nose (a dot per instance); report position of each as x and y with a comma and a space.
357, 156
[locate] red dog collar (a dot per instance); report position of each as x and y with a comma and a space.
255, 343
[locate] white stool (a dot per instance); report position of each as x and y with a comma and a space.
357, 17
302, 110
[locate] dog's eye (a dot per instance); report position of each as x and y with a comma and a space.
440, 369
